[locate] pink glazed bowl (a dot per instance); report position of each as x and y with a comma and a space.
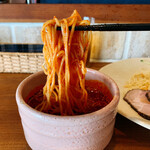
43, 131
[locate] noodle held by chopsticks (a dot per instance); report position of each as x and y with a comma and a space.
65, 53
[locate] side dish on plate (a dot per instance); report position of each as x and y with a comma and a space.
138, 94
139, 100
133, 78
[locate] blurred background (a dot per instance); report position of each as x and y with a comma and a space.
21, 22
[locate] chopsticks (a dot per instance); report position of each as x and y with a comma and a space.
113, 27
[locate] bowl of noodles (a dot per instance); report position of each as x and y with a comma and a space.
67, 106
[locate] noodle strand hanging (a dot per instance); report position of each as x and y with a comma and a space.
65, 53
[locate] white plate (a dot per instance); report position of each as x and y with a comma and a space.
121, 72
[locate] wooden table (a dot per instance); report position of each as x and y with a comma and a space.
103, 13
127, 135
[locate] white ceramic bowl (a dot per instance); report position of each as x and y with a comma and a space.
43, 131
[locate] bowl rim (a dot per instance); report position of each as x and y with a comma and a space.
22, 104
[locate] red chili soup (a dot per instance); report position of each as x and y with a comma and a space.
98, 96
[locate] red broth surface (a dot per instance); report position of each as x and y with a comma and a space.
98, 96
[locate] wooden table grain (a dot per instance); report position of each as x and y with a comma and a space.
127, 135
103, 13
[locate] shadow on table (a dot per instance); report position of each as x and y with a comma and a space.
128, 133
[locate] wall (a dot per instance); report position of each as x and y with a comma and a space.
105, 46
